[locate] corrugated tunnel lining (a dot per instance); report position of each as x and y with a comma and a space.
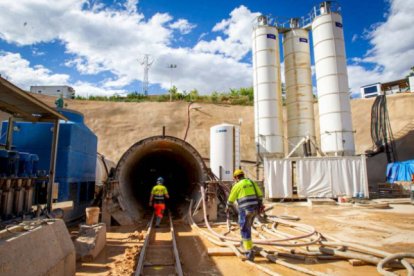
175, 160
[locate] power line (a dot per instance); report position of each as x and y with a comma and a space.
146, 63
171, 66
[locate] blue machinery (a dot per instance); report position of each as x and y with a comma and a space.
27, 164
46, 156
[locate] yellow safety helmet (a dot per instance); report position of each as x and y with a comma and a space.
238, 173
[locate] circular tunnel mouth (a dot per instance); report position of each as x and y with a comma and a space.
175, 160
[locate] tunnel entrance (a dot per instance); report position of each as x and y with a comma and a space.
175, 160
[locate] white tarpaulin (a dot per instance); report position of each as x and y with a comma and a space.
332, 177
278, 178
317, 177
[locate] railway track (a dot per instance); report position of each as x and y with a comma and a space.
159, 254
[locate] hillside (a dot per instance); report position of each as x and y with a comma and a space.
119, 125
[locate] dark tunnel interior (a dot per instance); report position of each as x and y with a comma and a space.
171, 158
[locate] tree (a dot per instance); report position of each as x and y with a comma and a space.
193, 95
214, 97
173, 91
411, 73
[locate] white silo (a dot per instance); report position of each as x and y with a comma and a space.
332, 83
224, 150
267, 89
299, 96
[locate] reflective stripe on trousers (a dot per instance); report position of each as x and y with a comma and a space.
246, 217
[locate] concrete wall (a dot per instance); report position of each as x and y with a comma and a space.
45, 250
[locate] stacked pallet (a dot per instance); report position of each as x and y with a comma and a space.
390, 190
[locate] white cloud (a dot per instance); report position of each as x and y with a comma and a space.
131, 6
37, 53
19, 71
392, 52
393, 41
360, 76
27, 22
98, 38
183, 26
237, 29
355, 37
87, 89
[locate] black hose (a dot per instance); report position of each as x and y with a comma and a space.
381, 132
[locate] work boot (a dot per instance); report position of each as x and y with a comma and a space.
157, 222
250, 255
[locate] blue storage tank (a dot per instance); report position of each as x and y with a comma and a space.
76, 154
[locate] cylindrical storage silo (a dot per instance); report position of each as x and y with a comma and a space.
224, 150
299, 97
332, 83
267, 89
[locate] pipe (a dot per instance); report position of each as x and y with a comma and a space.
175, 160
405, 263
275, 242
9, 136
52, 168
331, 253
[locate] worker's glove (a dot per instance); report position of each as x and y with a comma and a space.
261, 209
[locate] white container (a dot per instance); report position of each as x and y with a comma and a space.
267, 90
332, 84
224, 150
299, 97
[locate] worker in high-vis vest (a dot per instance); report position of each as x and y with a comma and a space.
249, 199
157, 199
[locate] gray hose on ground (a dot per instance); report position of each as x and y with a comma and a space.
350, 255
405, 263
275, 260
359, 248
263, 242
336, 253
227, 244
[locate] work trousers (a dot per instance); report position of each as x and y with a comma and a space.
246, 218
159, 209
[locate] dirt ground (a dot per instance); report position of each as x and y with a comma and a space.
391, 230
120, 125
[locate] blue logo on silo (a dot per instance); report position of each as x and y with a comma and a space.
221, 130
302, 39
338, 24
271, 36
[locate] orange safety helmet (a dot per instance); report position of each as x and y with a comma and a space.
237, 173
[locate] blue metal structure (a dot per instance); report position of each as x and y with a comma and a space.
76, 156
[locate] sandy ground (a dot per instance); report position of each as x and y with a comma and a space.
391, 230
120, 125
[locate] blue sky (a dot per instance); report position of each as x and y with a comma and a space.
96, 46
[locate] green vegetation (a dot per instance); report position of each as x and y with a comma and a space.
411, 73
242, 96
